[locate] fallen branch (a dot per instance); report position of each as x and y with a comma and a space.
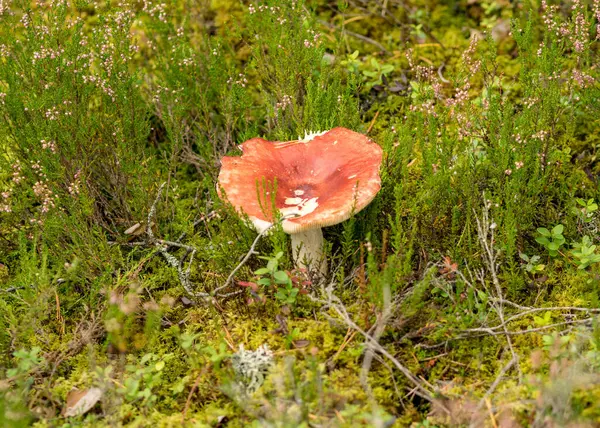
356, 35
485, 233
377, 330
333, 302
250, 252
183, 274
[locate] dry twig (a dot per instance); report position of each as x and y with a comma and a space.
183, 273
333, 302
485, 233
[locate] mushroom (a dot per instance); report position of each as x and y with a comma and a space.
313, 182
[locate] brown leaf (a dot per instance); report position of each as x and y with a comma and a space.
80, 402
136, 229
448, 268
282, 321
301, 343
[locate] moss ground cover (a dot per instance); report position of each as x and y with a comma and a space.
465, 294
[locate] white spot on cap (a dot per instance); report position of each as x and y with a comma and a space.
298, 192
293, 201
304, 207
351, 177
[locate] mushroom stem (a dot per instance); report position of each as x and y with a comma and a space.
307, 248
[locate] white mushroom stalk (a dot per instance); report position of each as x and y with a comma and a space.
308, 251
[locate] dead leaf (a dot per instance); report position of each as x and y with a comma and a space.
135, 230
80, 402
301, 343
283, 328
449, 268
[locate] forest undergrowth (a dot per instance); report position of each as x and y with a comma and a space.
466, 294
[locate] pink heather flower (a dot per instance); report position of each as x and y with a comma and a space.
74, 186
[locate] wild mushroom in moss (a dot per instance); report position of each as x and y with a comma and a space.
318, 181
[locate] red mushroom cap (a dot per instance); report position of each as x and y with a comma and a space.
323, 180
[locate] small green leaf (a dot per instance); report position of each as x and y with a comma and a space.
558, 229
281, 277
542, 240
159, 366
262, 271
553, 246
543, 231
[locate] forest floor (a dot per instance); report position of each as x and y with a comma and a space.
134, 293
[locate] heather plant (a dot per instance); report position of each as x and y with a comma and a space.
301, 90
74, 128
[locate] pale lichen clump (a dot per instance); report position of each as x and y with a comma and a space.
251, 367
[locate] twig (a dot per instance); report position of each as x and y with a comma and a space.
347, 339
250, 252
378, 330
11, 289
184, 276
174, 244
485, 230
491, 332
492, 417
356, 35
189, 397
527, 312
496, 382
335, 303
373, 122
439, 71
152, 212
162, 246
